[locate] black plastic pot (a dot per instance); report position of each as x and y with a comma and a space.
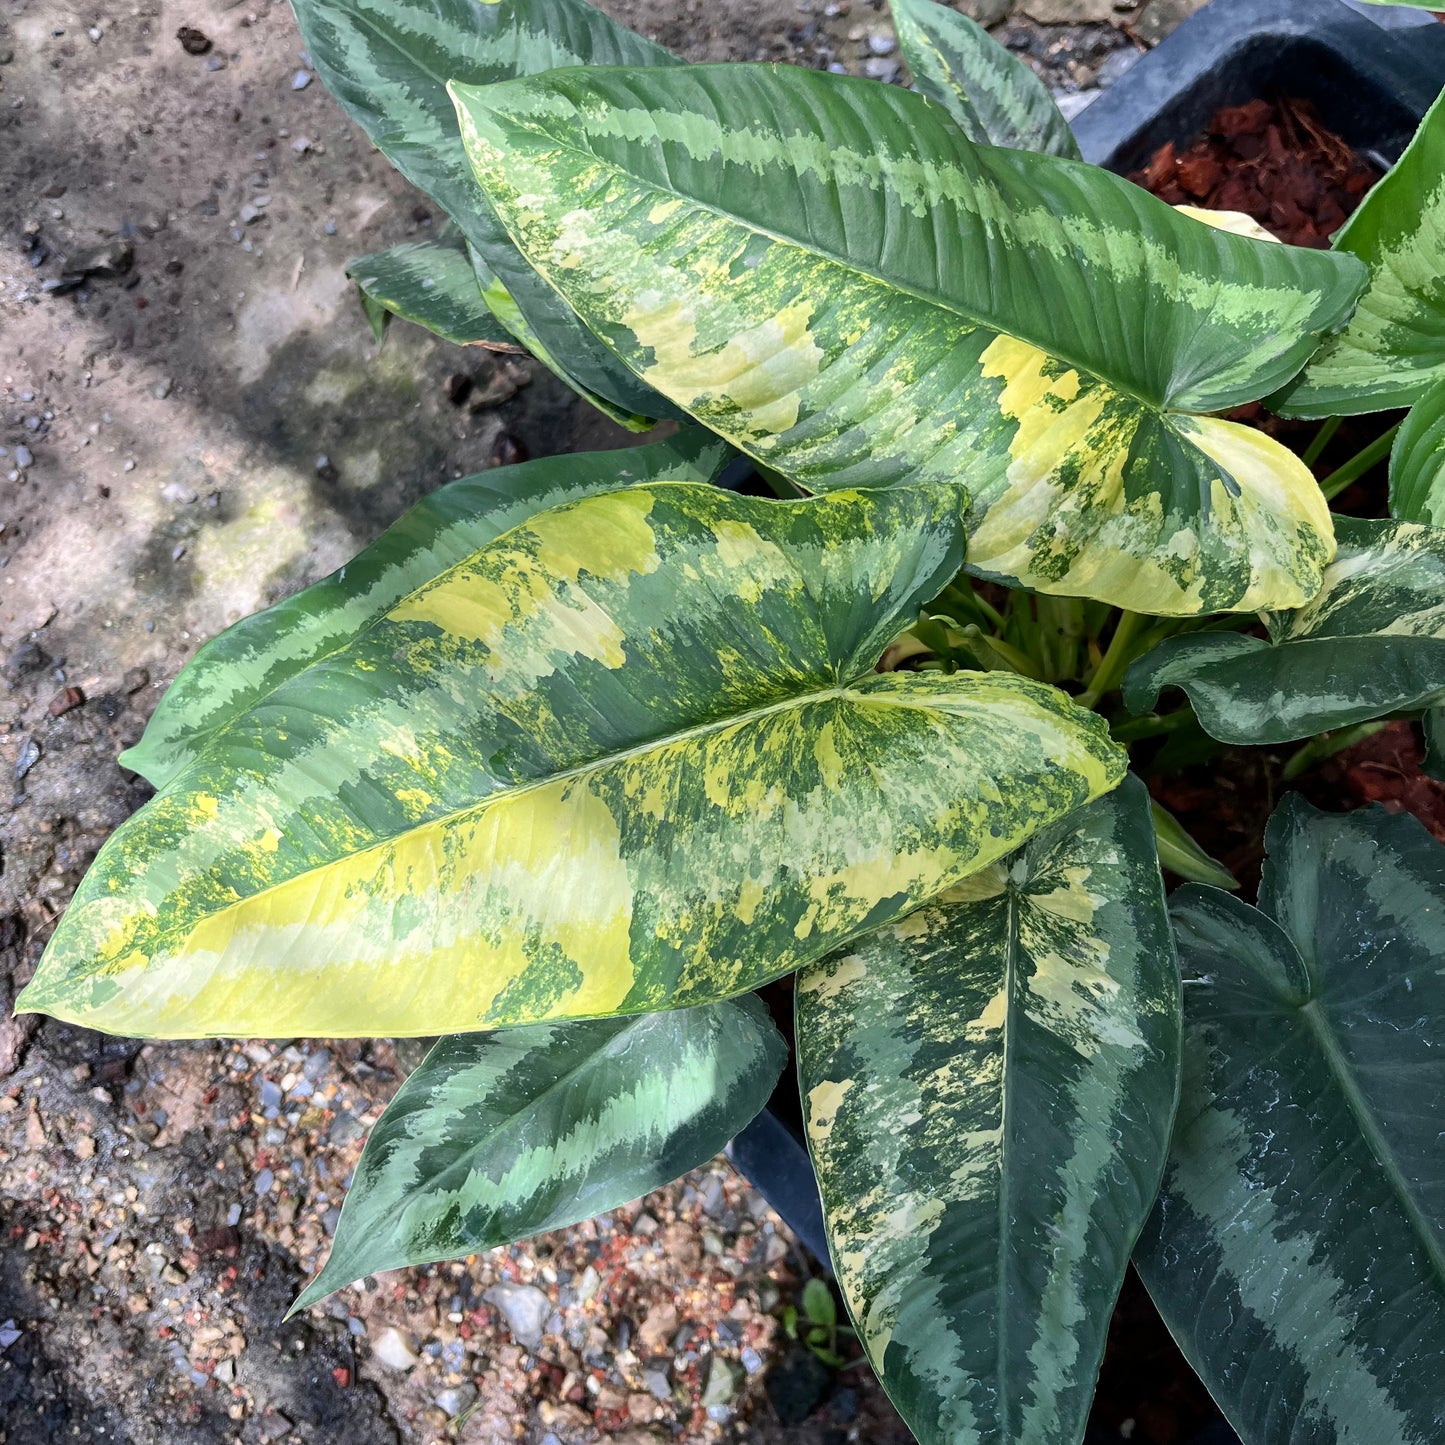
1372, 74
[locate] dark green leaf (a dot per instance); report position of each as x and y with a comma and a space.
388, 62
988, 1088
1298, 1248
995, 98
496, 1137
433, 284
1372, 642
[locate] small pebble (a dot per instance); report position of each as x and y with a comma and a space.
881, 45
264, 1181
301, 80
395, 1350
233, 1215
330, 228
24, 457
162, 389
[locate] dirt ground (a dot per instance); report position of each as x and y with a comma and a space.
196, 428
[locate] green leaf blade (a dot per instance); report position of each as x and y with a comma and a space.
1372, 642
1392, 352
992, 95
388, 63
497, 1137
630, 755
1298, 1248
1417, 462
432, 284
989, 1087
238, 669
848, 291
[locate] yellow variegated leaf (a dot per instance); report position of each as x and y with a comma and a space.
832, 276
630, 755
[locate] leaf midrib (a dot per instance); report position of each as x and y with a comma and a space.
1323, 1033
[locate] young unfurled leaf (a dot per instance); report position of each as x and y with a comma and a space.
433, 284
498, 1136
388, 63
237, 670
1372, 642
995, 98
828, 273
1297, 1251
1393, 350
630, 755
1181, 855
1417, 462
988, 1087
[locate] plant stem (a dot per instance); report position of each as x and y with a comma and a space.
1115, 660
1320, 441
1327, 745
1359, 464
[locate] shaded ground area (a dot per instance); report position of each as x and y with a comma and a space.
194, 422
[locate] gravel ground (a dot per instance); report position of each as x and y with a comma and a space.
193, 423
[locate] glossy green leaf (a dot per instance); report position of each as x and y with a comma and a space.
1372, 642
1297, 1252
993, 96
1393, 350
828, 273
633, 754
988, 1088
388, 63
1417, 462
433, 284
495, 1137
1182, 856
236, 671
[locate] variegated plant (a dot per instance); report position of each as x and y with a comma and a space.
581, 752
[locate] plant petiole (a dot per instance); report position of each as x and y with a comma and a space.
1320, 440
1120, 654
1359, 464
1326, 745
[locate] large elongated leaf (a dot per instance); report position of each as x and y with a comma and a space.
630, 755
495, 1137
1417, 462
1298, 1248
431, 283
995, 98
989, 1086
388, 62
1393, 350
234, 672
831, 275
1372, 642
